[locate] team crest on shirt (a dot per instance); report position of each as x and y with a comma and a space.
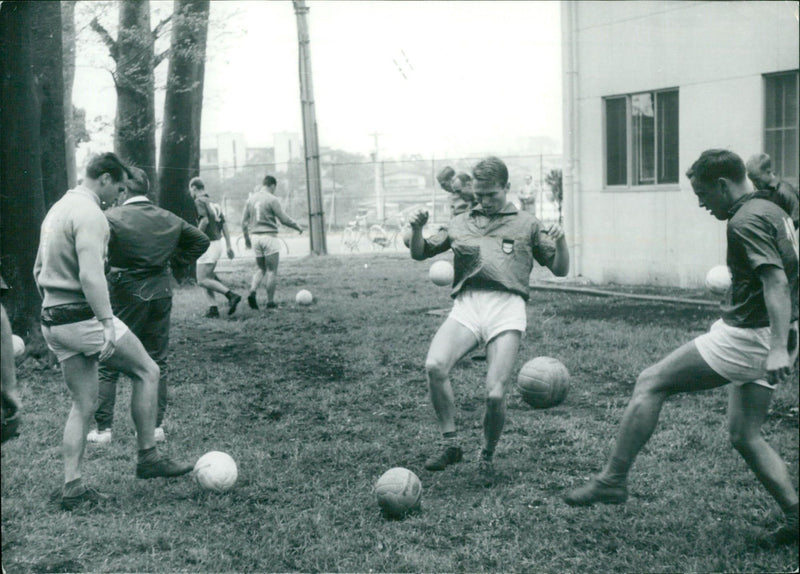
508, 246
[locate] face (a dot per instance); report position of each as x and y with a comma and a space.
110, 190
490, 195
712, 198
760, 179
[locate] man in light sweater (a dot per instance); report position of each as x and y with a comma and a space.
80, 328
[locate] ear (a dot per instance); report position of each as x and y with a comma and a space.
508, 186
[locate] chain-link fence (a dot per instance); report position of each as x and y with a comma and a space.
382, 192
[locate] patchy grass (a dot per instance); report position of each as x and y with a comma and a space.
316, 403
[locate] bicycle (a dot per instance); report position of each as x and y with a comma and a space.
380, 236
355, 230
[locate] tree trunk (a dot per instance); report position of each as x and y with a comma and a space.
180, 136
21, 195
47, 62
68, 49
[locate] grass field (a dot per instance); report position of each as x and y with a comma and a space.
316, 403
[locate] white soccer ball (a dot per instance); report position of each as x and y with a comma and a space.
304, 297
19, 346
399, 491
718, 279
441, 273
215, 471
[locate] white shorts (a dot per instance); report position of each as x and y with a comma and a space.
738, 354
213, 253
264, 244
488, 313
83, 337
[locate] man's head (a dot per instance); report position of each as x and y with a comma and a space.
139, 183
196, 186
759, 171
107, 177
461, 185
718, 180
490, 184
445, 178
528, 179
270, 182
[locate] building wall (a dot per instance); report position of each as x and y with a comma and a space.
715, 53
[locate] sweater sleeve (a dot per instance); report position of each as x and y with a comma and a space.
91, 240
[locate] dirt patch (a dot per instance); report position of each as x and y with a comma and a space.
642, 313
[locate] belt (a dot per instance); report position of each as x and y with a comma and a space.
66, 314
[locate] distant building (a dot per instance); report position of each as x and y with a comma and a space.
288, 148
647, 87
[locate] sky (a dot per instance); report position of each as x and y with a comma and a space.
432, 78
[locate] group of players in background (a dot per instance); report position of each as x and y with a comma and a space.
118, 318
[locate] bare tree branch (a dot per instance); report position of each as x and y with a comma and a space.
160, 25
160, 57
106, 37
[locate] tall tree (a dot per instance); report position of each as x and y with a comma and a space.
68, 51
135, 60
21, 195
47, 62
180, 136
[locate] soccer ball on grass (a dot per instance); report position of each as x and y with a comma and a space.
399, 492
543, 382
215, 471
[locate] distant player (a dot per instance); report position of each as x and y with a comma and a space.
751, 348
495, 246
260, 228
770, 186
211, 221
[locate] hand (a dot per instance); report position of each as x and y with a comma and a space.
231, 254
300, 231
779, 368
247, 243
418, 219
555, 232
109, 340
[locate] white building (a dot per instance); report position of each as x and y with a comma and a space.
288, 148
647, 87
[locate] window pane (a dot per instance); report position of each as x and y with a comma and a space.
616, 142
668, 137
643, 128
781, 124
788, 168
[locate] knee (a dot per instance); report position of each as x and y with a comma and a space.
646, 383
495, 400
148, 370
741, 440
436, 370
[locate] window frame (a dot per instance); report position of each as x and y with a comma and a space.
764, 129
629, 142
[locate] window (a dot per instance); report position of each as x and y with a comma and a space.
642, 138
781, 124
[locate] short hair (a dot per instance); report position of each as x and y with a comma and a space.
491, 170
445, 177
197, 183
759, 163
270, 181
107, 163
139, 183
463, 177
714, 164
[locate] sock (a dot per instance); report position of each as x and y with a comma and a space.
616, 472
148, 455
73, 488
450, 439
487, 454
229, 294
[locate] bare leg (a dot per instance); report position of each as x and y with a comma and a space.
207, 279
271, 262
501, 355
258, 276
80, 375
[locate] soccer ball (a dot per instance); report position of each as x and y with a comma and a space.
215, 471
441, 273
19, 346
718, 279
304, 297
398, 491
543, 382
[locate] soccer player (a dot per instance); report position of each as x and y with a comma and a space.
750, 348
81, 330
144, 239
211, 222
260, 220
770, 186
495, 246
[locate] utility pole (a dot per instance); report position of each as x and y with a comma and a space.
378, 179
316, 217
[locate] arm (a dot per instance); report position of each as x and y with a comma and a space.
417, 246
285, 219
777, 299
227, 237
192, 243
246, 224
560, 264
90, 243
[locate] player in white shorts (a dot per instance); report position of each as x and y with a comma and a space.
494, 246
751, 349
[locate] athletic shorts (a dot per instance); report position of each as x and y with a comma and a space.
83, 337
738, 354
488, 313
213, 253
264, 244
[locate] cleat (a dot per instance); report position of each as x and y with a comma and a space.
782, 536
163, 467
99, 436
89, 497
486, 473
450, 455
159, 435
251, 300
212, 313
596, 491
272, 305
233, 303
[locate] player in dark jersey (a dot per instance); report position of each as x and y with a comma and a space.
751, 348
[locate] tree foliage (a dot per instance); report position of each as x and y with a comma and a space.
554, 180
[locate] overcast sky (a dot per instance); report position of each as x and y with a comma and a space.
438, 78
